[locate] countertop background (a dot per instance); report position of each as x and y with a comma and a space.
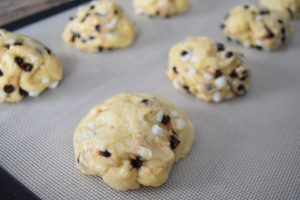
11, 10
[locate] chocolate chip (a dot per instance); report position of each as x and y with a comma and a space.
218, 73
165, 120
283, 31
233, 74
105, 153
175, 70
157, 13
283, 39
145, 101
174, 142
270, 35
9, 89
98, 28
7, 46
183, 53
222, 26
208, 86
18, 43
23, 92
27, 67
245, 75
241, 89
100, 49
92, 7
220, 47
258, 47
48, 50
19, 60
264, 12
246, 7
186, 88
91, 38
78, 159
136, 162
229, 54
1, 73
116, 12
280, 21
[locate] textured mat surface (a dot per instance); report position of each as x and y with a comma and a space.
248, 148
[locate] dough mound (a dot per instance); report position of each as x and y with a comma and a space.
101, 25
209, 70
27, 67
132, 140
290, 8
161, 8
258, 28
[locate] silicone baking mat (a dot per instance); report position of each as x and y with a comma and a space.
247, 148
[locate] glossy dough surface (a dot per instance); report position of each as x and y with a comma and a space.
259, 28
101, 25
207, 69
161, 8
132, 140
27, 67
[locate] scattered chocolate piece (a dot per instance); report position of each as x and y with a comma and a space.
105, 153
48, 50
245, 75
186, 88
166, 119
19, 60
157, 13
218, 73
229, 54
264, 12
283, 39
280, 21
91, 38
7, 46
183, 53
9, 89
100, 49
233, 74
246, 7
23, 92
241, 89
116, 12
18, 43
98, 28
136, 162
1, 73
220, 47
258, 47
175, 70
145, 101
27, 67
92, 7
174, 142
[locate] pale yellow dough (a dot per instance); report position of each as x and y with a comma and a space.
161, 8
101, 25
290, 8
27, 67
132, 140
259, 28
207, 69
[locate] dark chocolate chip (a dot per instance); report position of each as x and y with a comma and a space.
186, 88
280, 21
283, 31
183, 53
233, 74
7, 46
19, 60
116, 12
23, 92
157, 13
258, 47
264, 12
245, 75
222, 26
174, 142
1, 73
27, 67
218, 73
136, 162
18, 43
48, 50
229, 54
98, 28
78, 159
91, 38
283, 39
92, 7
9, 89
220, 47
165, 120
241, 90
105, 153
175, 70
145, 101
270, 35
246, 7
100, 49
208, 86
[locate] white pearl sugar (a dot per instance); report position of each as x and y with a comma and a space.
180, 124
156, 130
221, 82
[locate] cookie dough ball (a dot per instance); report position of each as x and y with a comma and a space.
209, 70
290, 8
258, 28
132, 140
27, 67
101, 25
161, 8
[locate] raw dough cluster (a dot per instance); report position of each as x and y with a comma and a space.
291, 8
27, 67
209, 70
161, 8
258, 28
101, 25
132, 140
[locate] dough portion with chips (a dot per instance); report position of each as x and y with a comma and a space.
161, 8
290, 8
208, 70
258, 28
27, 67
101, 25
132, 140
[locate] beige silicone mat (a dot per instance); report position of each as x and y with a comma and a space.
248, 148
